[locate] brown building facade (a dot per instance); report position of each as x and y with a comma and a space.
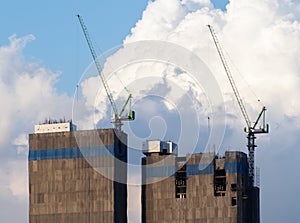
198, 188
75, 176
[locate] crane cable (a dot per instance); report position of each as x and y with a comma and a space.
240, 74
230, 78
109, 65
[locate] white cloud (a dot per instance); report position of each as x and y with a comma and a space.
14, 179
160, 18
21, 142
27, 91
193, 5
261, 37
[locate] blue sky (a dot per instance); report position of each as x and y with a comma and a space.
59, 43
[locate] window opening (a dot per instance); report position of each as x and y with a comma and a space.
180, 182
220, 182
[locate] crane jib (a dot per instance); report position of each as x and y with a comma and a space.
117, 116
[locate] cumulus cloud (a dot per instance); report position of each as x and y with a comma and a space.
21, 143
27, 91
261, 38
28, 95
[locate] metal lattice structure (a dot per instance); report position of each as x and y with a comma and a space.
252, 130
117, 117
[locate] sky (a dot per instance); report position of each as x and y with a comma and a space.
43, 57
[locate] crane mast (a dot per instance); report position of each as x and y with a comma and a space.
250, 129
117, 117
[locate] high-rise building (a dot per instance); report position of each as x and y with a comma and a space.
77, 176
197, 188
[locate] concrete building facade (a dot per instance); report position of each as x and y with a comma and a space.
197, 188
72, 175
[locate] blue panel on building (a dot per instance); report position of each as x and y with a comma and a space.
195, 169
198, 169
160, 171
71, 153
236, 167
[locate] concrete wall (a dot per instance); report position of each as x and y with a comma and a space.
65, 187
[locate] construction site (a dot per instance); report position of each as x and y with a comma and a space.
66, 186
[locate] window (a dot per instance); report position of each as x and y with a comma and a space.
233, 187
220, 182
180, 182
233, 201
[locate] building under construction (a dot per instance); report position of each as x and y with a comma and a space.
65, 184
197, 188
80, 176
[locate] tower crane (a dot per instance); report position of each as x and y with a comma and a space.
251, 129
117, 116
